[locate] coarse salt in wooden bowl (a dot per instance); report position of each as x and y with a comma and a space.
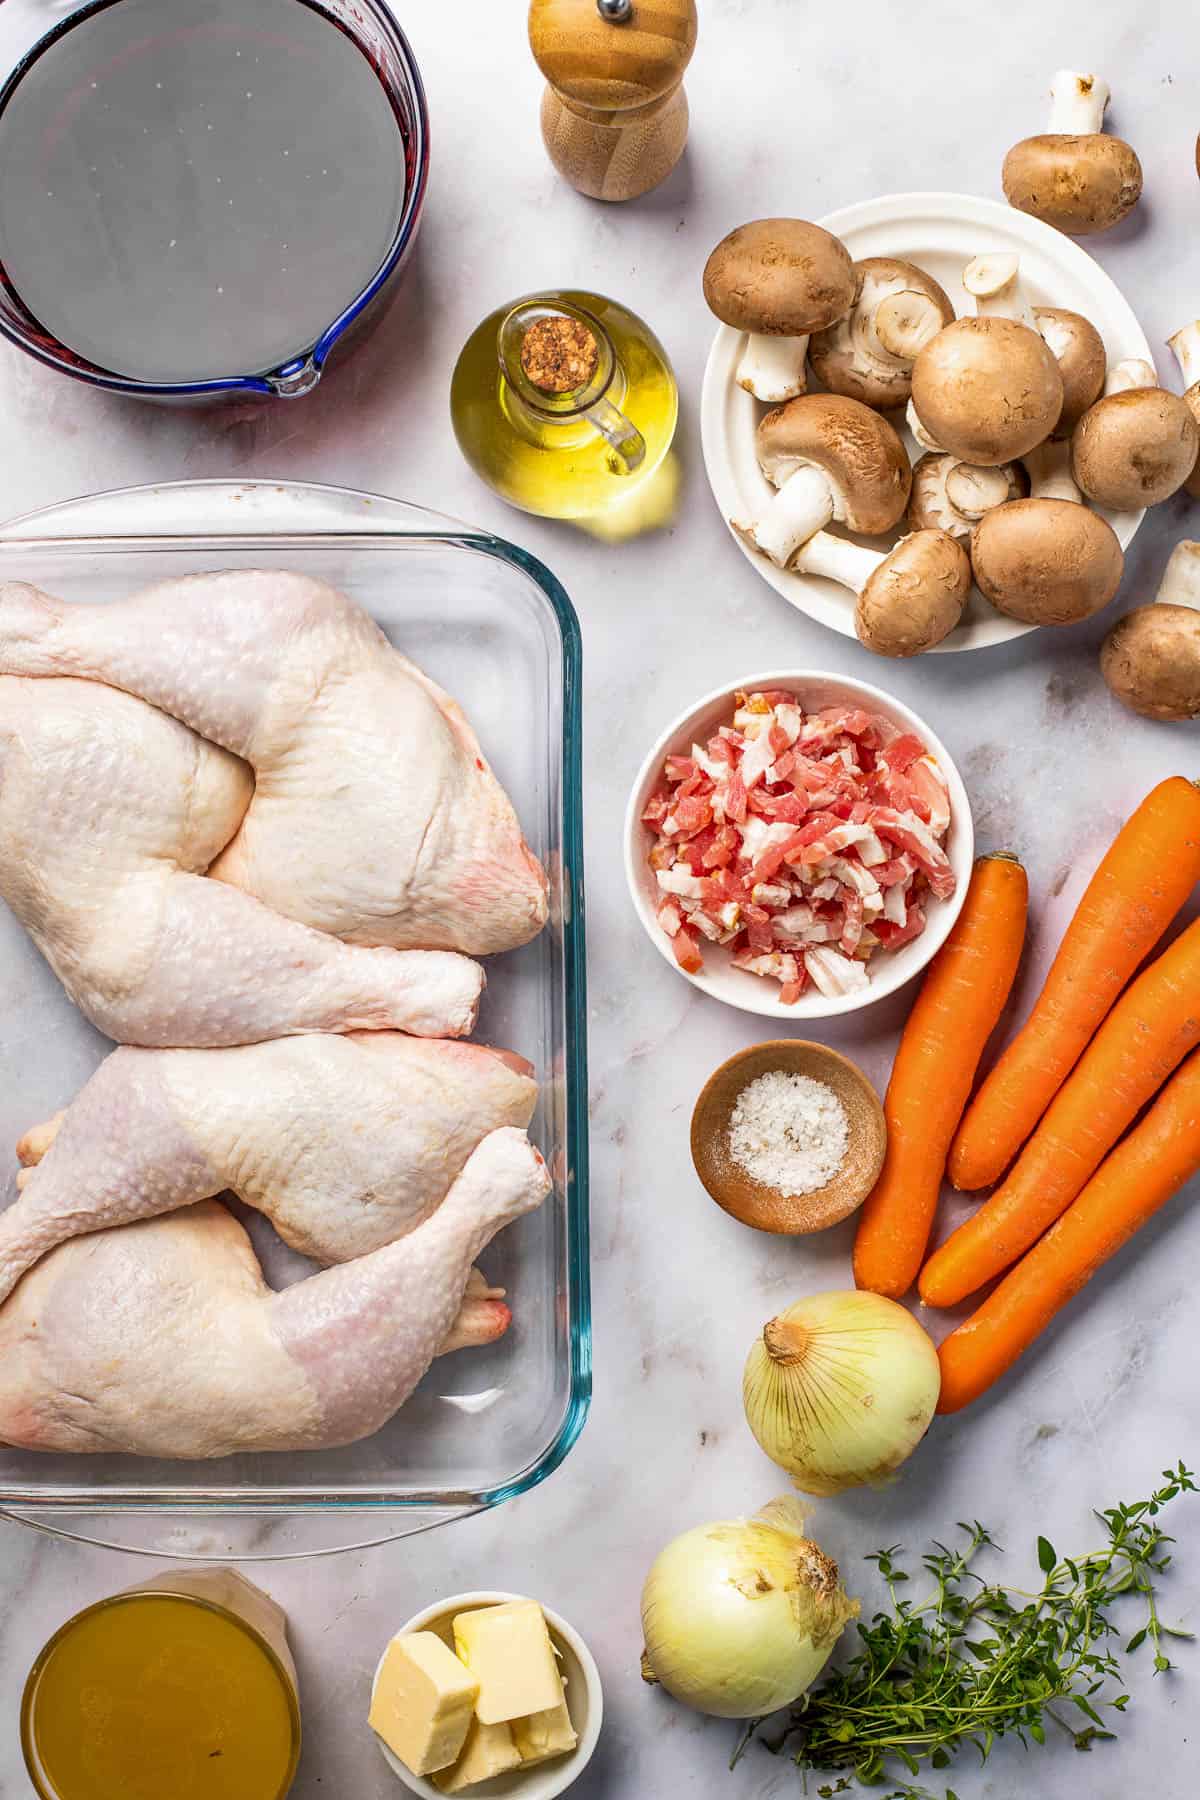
755, 1203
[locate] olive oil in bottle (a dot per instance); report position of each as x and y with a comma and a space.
564, 402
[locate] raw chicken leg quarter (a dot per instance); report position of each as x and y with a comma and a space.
110, 813
345, 1143
163, 1339
374, 815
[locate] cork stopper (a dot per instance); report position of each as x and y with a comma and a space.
559, 355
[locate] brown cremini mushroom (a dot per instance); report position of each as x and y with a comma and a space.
779, 280
1078, 349
831, 459
869, 354
909, 597
1186, 346
949, 495
1151, 658
1134, 448
1075, 344
1075, 176
1046, 562
987, 390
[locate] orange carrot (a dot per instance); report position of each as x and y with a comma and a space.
1140, 1176
1141, 884
955, 1013
1145, 1037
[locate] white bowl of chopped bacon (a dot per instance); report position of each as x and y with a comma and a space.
798, 844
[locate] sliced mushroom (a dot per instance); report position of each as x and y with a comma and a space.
1151, 658
1075, 344
987, 389
909, 598
1046, 562
1075, 176
1135, 448
779, 280
1186, 346
949, 495
869, 354
831, 459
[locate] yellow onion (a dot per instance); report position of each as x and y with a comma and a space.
840, 1389
740, 1617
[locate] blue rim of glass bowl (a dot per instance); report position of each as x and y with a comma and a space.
45, 348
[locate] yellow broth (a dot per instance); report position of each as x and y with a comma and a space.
154, 1695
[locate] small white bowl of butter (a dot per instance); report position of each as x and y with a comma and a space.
489, 1744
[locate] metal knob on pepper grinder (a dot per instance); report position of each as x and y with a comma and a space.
614, 114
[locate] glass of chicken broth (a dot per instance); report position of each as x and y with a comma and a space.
183, 1688
200, 197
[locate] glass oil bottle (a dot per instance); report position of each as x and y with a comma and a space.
564, 403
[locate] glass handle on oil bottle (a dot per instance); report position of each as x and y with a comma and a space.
628, 444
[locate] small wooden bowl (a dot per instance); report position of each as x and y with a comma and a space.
751, 1201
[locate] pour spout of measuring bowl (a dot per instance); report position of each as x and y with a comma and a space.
561, 365
293, 382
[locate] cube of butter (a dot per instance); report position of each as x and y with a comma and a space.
423, 1702
489, 1750
508, 1651
545, 1734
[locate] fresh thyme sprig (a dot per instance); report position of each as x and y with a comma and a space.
977, 1660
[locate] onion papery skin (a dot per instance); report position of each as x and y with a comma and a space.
740, 1617
840, 1389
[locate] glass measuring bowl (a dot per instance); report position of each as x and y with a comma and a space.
371, 25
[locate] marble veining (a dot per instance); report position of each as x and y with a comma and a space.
793, 110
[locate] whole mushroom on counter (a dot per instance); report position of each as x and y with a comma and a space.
1074, 176
780, 280
1151, 658
868, 355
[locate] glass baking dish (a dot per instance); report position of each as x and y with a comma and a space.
495, 628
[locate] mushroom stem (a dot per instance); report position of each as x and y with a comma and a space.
773, 368
995, 284
1133, 372
902, 324
1180, 585
803, 505
926, 440
972, 490
1078, 104
1049, 471
1186, 348
838, 560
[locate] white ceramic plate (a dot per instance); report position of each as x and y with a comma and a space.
585, 1703
940, 233
755, 993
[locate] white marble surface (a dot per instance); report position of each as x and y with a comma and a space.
794, 109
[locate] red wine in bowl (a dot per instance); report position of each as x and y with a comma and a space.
193, 190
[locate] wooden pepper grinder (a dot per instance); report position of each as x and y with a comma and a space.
614, 114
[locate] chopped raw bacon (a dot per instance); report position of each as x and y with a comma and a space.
803, 843
686, 946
